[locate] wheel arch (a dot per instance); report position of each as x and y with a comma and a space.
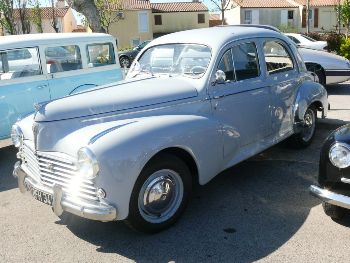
183, 154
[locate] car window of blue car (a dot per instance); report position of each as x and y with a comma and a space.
277, 57
63, 58
19, 63
100, 55
245, 60
226, 65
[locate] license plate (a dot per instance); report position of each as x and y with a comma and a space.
41, 196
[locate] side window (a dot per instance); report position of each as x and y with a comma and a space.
226, 65
296, 41
277, 58
63, 58
19, 63
100, 55
245, 60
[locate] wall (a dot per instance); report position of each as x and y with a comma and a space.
173, 22
69, 22
327, 20
126, 29
233, 16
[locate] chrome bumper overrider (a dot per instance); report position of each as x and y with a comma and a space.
93, 210
330, 197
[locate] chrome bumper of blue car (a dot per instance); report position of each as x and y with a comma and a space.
93, 210
330, 197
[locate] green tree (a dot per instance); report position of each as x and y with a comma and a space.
7, 21
344, 14
109, 12
90, 11
37, 16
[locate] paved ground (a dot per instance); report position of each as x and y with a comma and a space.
258, 211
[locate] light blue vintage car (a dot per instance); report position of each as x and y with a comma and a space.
36, 68
194, 104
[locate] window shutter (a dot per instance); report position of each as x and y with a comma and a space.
316, 18
303, 18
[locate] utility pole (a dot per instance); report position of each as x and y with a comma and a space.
338, 17
307, 17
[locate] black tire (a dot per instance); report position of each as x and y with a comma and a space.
319, 71
333, 211
144, 221
124, 61
302, 140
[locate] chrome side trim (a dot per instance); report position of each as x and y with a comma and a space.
94, 210
330, 197
345, 180
5, 143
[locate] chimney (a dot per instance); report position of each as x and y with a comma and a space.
60, 4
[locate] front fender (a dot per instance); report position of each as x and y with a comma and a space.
309, 93
123, 152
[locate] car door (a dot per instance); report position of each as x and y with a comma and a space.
283, 77
241, 103
22, 84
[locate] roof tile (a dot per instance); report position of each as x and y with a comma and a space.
178, 7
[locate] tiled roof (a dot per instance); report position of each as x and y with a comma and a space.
266, 3
319, 2
214, 17
178, 7
46, 12
131, 5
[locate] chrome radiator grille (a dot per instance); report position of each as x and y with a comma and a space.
56, 168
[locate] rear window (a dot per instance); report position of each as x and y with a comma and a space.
100, 55
19, 63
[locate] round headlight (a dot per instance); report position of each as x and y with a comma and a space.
16, 136
339, 155
87, 163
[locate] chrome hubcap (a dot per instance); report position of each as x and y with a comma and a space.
309, 125
160, 196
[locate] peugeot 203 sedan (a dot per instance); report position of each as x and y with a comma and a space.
193, 104
334, 174
42, 67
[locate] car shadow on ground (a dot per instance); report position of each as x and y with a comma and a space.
242, 215
7, 161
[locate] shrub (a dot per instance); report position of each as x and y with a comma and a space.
334, 41
316, 36
344, 49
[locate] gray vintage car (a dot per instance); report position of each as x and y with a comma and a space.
194, 104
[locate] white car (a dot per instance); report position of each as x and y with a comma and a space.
308, 42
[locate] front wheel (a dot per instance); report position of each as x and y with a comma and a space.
333, 211
304, 138
160, 194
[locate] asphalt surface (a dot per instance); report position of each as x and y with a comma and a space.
259, 210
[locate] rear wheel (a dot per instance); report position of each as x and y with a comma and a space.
124, 61
307, 132
160, 194
333, 211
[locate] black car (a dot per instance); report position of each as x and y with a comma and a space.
334, 173
127, 56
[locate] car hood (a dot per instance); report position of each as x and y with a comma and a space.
117, 97
319, 56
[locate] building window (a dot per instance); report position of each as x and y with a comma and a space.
290, 14
247, 16
201, 18
158, 20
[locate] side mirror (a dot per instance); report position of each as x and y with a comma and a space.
220, 77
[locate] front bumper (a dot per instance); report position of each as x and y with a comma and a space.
330, 197
62, 202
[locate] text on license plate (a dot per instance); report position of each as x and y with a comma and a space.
39, 195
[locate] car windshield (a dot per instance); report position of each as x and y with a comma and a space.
309, 38
189, 60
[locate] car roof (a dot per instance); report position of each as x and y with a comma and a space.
28, 40
216, 37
